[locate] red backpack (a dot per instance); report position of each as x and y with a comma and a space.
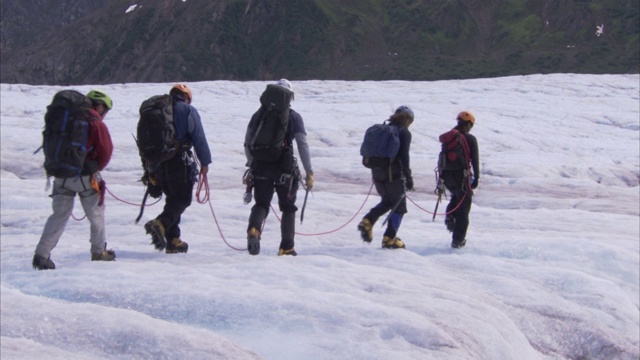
455, 151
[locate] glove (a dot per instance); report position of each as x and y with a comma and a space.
155, 191
148, 179
474, 183
408, 183
309, 180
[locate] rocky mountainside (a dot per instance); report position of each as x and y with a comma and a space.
91, 42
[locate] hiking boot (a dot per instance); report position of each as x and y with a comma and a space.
40, 263
176, 246
365, 227
253, 241
105, 255
156, 229
291, 252
395, 243
450, 221
458, 244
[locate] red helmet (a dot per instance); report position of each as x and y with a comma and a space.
183, 89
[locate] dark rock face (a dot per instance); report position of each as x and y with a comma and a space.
92, 42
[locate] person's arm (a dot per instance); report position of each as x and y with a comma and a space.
102, 144
196, 132
403, 152
475, 156
300, 136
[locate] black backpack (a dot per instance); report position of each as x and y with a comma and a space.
66, 129
455, 151
268, 129
380, 145
156, 132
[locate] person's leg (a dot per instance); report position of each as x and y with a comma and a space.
366, 225
89, 199
263, 193
263, 187
457, 220
174, 177
62, 205
287, 231
395, 195
179, 200
461, 215
384, 205
177, 186
287, 194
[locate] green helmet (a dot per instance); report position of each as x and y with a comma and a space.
99, 96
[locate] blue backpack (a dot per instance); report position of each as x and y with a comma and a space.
380, 145
66, 129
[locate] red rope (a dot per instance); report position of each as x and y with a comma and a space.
203, 183
127, 202
340, 227
215, 218
446, 213
117, 198
76, 219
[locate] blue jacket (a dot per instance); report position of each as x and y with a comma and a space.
189, 128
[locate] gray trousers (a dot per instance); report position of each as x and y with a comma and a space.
63, 195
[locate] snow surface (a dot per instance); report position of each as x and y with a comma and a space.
550, 271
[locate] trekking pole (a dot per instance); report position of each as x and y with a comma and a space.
247, 179
436, 209
304, 204
393, 209
144, 201
439, 190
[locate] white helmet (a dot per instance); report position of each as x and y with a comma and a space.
285, 84
405, 109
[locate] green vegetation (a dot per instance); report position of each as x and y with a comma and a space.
345, 39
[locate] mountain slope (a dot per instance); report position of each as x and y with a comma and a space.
171, 40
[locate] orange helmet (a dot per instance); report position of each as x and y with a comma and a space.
466, 116
183, 89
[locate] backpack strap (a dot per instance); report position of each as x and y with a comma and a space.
466, 151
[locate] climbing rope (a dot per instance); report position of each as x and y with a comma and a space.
338, 228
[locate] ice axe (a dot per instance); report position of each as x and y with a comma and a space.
393, 209
304, 204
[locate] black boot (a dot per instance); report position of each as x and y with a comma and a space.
41, 263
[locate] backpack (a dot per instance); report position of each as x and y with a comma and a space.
380, 145
66, 130
268, 129
156, 132
455, 151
